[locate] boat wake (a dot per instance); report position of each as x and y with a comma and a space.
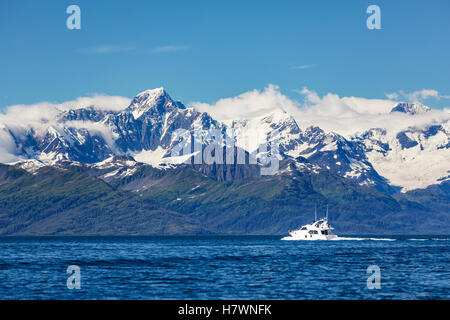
340, 238
360, 239
289, 238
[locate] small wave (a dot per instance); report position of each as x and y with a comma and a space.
429, 239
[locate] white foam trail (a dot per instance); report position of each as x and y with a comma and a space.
340, 238
289, 238
360, 239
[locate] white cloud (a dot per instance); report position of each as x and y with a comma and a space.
170, 48
417, 96
301, 67
48, 111
39, 116
107, 49
99, 101
96, 128
347, 115
29, 115
103, 49
7, 146
392, 96
19, 119
344, 115
249, 104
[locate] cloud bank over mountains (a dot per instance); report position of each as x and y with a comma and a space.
249, 104
417, 96
343, 115
43, 115
48, 111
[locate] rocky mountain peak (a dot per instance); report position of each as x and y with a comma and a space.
156, 100
410, 108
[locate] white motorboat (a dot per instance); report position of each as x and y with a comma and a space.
320, 229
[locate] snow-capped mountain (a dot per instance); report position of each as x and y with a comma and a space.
145, 128
328, 150
410, 108
411, 159
88, 135
116, 143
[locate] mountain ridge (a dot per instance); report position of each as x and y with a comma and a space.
124, 157
144, 130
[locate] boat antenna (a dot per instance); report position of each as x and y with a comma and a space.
327, 212
315, 212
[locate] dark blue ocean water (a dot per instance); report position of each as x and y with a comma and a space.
229, 267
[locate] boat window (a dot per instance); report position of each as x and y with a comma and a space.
325, 232
303, 228
313, 232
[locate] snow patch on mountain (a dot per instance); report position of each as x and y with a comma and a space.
32, 166
161, 158
411, 159
151, 157
115, 161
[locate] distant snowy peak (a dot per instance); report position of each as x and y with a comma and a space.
411, 159
410, 108
153, 100
276, 125
276, 117
90, 113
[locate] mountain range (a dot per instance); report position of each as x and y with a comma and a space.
93, 171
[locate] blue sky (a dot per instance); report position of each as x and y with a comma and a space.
207, 50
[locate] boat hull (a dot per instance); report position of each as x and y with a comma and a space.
311, 237
318, 230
